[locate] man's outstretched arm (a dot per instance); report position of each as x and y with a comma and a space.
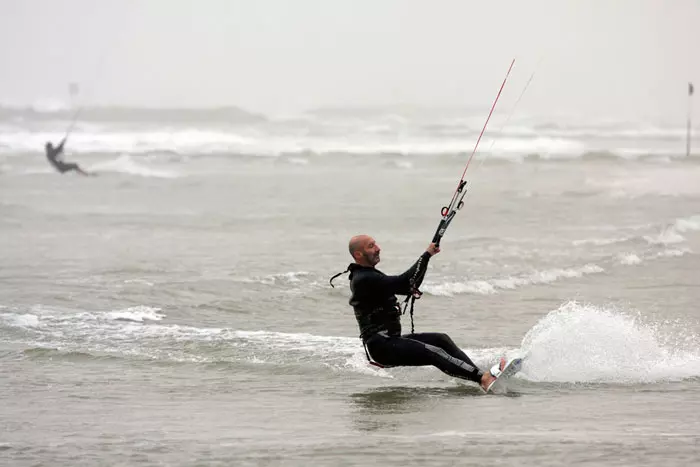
401, 284
59, 148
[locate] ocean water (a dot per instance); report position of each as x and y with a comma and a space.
175, 309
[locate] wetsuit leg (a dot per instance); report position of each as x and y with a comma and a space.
445, 342
71, 166
64, 167
403, 351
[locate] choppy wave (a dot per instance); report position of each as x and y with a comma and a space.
573, 344
491, 286
137, 314
231, 131
128, 165
672, 253
664, 240
283, 278
137, 333
601, 241
629, 259
236, 143
672, 234
669, 236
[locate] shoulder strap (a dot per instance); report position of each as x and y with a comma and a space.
337, 275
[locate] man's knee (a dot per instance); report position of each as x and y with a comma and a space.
444, 338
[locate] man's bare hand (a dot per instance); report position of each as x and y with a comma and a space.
433, 249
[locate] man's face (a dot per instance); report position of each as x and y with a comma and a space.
370, 251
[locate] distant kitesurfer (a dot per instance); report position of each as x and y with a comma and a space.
378, 315
53, 154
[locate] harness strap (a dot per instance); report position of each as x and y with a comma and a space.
412, 300
338, 275
369, 359
415, 294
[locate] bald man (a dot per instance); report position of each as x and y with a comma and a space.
379, 316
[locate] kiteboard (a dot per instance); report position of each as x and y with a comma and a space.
511, 367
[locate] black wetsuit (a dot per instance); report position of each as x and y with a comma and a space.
52, 154
379, 317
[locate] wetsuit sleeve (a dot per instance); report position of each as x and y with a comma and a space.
59, 149
401, 284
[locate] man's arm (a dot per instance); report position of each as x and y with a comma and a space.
59, 148
402, 284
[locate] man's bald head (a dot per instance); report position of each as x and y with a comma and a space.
356, 243
364, 250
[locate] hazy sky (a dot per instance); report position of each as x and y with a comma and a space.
596, 57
